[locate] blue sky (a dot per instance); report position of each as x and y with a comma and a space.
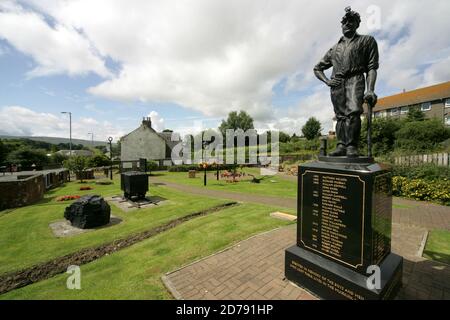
187, 65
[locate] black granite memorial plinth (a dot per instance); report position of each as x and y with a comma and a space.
344, 231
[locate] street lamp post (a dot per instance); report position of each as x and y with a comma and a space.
70, 130
204, 144
110, 139
92, 138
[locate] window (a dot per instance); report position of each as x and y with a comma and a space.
447, 120
447, 103
426, 106
394, 111
404, 110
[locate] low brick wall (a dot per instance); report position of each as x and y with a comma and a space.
21, 192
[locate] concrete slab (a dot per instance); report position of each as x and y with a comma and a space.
283, 216
128, 205
63, 228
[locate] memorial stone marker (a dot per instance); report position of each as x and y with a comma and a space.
345, 200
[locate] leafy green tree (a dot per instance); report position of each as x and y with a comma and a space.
26, 157
235, 121
312, 128
415, 114
284, 137
421, 136
383, 135
77, 164
57, 158
3, 152
102, 149
99, 160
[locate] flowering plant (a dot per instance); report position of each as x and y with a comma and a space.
67, 198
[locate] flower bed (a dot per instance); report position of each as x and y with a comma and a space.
86, 188
420, 189
67, 198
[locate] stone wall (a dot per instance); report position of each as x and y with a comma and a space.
23, 191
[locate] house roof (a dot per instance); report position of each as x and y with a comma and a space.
167, 136
431, 93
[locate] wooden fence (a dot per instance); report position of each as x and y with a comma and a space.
441, 159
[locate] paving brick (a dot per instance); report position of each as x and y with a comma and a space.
254, 269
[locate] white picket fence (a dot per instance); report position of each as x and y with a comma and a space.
441, 159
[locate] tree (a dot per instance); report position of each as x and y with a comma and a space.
99, 160
421, 136
236, 121
101, 148
57, 158
295, 138
77, 164
3, 152
415, 114
284, 137
26, 157
311, 129
383, 135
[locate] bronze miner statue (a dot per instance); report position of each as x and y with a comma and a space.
353, 56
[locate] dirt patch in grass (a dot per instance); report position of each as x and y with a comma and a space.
18, 279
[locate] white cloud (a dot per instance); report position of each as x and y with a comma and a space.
55, 49
22, 121
316, 105
157, 121
217, 56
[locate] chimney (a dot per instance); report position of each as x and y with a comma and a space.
147, 121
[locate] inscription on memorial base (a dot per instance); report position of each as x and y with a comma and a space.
343, 227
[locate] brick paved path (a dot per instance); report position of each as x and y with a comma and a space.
408, 212
254, 269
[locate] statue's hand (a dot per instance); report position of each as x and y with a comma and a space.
371, 98
334, 82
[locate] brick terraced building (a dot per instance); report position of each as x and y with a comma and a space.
434, 101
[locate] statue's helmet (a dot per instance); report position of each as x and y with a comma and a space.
351, 15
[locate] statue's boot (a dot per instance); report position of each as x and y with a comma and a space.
339, 152
352, 152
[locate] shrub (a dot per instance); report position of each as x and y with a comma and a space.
152, 166
421, 136
420, 189
426, 171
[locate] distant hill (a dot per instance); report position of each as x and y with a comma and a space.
56, 140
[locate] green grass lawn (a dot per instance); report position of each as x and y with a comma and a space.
134, 273
271, 185
26, 238
438, 246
